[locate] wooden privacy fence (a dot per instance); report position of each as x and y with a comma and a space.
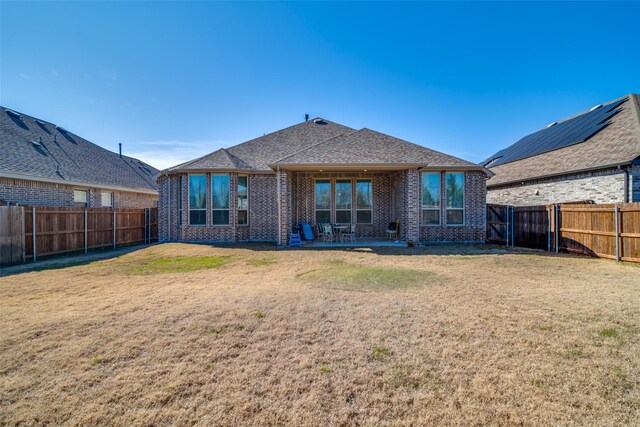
11, 235
603, 230
50, 231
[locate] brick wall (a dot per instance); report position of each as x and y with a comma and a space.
475, 213
262, 225
36, 193
606, 186
277, 201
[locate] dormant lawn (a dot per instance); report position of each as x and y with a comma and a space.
196, 335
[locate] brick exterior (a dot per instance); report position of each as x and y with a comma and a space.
278, 201
37, 193
474, 228
604, 186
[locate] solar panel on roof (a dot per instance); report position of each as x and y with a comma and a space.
563, 134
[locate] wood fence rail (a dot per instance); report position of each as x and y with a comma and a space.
50, 231
603, 230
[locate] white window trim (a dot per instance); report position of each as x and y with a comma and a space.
189, 199
86, 196
248, 202
464, 195
315, 199
439, 208
356, 195
229, 201
335, 202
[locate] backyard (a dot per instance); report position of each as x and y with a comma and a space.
179, 334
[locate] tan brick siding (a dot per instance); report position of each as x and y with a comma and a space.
604, 186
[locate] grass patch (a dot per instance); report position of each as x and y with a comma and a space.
545, 328
380, 352
176, 264
260, 262
324, 369
97, 360
211, 330
209, 366
609, 333
408, 376
350, 277
573, 353
259, 314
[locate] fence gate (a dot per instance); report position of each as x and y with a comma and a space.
498, 224
11, 235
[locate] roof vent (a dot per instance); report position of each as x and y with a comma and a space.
552, 124
595, 107
319, 121
13, 114
61, 129
36, 143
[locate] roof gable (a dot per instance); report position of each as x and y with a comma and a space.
369, 147
37, 149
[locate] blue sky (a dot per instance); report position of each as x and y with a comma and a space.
173, 81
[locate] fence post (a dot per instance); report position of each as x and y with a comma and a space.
548, 229
615, 212
85, 231
513, 226
33, 231
556, 218
114, 228
506, 217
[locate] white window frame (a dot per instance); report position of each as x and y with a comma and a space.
238, 200
86, 196
315, 199
228, 209
335, 199
370, 181
189, 199
447, 208
431, 208
111, 199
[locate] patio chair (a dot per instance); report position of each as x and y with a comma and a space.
327, 233
317, 229
393, 230
349, 234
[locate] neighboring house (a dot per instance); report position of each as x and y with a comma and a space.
319, 172
592, 156
42, 164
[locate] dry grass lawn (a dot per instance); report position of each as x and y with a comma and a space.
196, 335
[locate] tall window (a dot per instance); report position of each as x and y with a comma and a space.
323, 201
364, 201
343, 201
106, 199
179, 200
220, 199
197, 199
80, 197
455, 198
431, 198
243, 199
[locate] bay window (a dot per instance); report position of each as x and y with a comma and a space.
431, 198
197, 199
243, 200
220, 199
455, 198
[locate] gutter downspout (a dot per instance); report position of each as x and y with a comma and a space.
168, 207
626, 183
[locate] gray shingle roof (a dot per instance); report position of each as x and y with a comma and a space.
616, 144
34, 148
324, 143
367, 146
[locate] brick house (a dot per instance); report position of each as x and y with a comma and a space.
322, 172
42, 164
594, 155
